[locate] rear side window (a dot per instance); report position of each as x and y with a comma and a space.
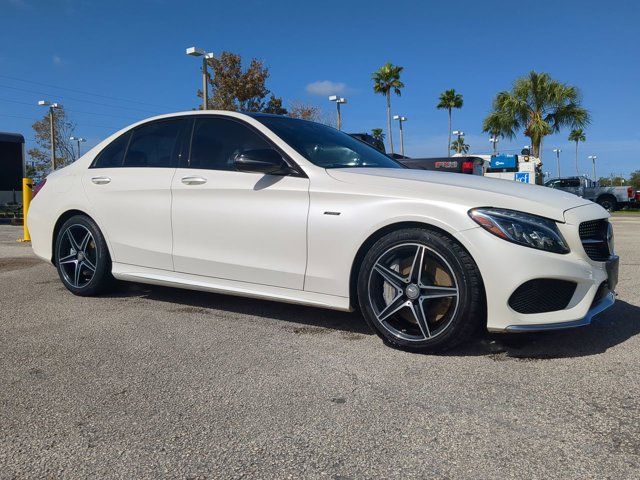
113, 154
155, 144
216, 142
569, 182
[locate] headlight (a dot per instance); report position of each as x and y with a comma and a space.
521, 228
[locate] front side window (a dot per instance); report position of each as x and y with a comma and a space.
325, 146
155, 144
113, 154
217, 141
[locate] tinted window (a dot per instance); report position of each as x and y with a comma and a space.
155, 144
573, 182
569, 182
113, 153
216, 142
325, 146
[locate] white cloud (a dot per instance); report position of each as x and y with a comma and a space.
56, 60
326, 87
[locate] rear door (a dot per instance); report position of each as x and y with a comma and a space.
129, 188
233, 225
572, 185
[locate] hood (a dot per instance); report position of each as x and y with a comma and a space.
468, 190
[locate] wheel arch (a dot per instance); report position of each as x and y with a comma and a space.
607, 196
381, 232
60, 221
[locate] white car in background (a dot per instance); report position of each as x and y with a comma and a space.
284, 209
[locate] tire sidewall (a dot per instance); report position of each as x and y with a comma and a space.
102, 275
608, 204
441, 245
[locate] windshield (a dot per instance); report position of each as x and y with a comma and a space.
325, 146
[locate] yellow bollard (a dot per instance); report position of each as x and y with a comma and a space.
27, 193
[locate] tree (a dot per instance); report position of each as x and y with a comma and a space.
41, 154
305, 111
494, 127
240, 89
612, 181
634, 179
378, 134
577, 135
274, 105
459, 146
386, 79
538, 105
449, 100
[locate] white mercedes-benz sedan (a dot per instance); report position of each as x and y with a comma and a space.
273, 207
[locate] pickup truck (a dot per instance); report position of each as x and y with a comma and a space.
610, 198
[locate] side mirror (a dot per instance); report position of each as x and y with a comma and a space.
263, 160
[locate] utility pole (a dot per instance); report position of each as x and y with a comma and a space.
339, 101
52, 106
198, 52
593, 160
557, 152
401, 120
78, 139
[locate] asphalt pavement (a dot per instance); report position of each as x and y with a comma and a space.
153, 382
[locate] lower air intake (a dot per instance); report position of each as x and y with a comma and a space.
542, 295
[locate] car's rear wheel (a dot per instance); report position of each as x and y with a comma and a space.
82, 257
420, 290
608, 202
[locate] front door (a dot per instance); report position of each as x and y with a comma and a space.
248, 227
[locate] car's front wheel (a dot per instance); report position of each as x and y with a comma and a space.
420, 290
82, 257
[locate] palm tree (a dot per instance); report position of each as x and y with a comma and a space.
539, 105
378, 134
449, 100
385, 79
577, 135
459, 146
493, 125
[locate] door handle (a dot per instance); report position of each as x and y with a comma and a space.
194, 180
100, 180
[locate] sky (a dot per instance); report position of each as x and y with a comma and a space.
111, 63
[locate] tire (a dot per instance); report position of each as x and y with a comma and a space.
82, 259
608, 202
418, 270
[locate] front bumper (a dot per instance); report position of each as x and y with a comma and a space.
597, 308
505, 266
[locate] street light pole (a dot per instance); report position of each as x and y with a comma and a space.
78, 139
557, 152
52, 132
494, 140
401, 120
198, 52
339, 101
593, 160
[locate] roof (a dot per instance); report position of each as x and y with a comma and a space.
11, 137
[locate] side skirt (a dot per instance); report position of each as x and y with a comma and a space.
166, 278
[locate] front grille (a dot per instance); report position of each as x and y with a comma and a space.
542, 295
593, 235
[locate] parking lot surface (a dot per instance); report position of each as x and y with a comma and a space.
152, 382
